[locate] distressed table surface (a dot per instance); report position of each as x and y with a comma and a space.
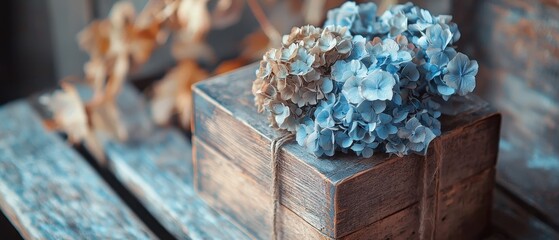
157, 171
156, 167
48, 191
511, 220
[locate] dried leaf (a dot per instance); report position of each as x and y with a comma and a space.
267, 27
194, 19
255, 45
155, 12
95, 73
173, 93
117, 77
50, 125
164, 95
105, 119
68, 112
184, 49
230, 65
94, 39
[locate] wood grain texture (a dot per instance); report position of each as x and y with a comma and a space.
513, 221
465, 208
156, 166
158, 172
517, 44
463, 212
338, 195
48, 191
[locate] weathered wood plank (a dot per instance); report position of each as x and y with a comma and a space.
158, 172
513, 221
318, 189
518, 44
463, 212
49, 192
465, 208
156, 166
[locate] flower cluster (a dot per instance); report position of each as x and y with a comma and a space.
291, 80
381, 95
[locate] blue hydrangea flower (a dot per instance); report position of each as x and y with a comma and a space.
341, 108
461, 74
342, 70
299, 68
423, 19
323, 116
369, 110
327, 85
369, 149
351, 91
385, 126
377, 86
418, 135
358, 130
369, 82
281, 113
304, 130
435, 42
359, 50
343, 140
396, 145
410, 72
398, 24
326, 142
344, 16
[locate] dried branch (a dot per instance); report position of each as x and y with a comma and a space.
267, 27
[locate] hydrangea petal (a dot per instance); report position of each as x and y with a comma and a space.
377, 86
351, 90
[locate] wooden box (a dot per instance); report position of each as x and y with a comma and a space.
343, 197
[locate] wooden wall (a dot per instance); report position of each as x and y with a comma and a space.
25, 49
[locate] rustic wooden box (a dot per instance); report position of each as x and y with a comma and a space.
344, 196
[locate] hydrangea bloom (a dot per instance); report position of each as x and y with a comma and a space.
374, 87
291, 80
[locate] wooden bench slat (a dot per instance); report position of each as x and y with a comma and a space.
48, 191
158, 172
511, 220
155, 165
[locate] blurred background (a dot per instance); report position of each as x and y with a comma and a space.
516, 43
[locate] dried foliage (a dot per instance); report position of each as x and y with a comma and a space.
174, 92
68, 112
125, 40
70, 116
115, 45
